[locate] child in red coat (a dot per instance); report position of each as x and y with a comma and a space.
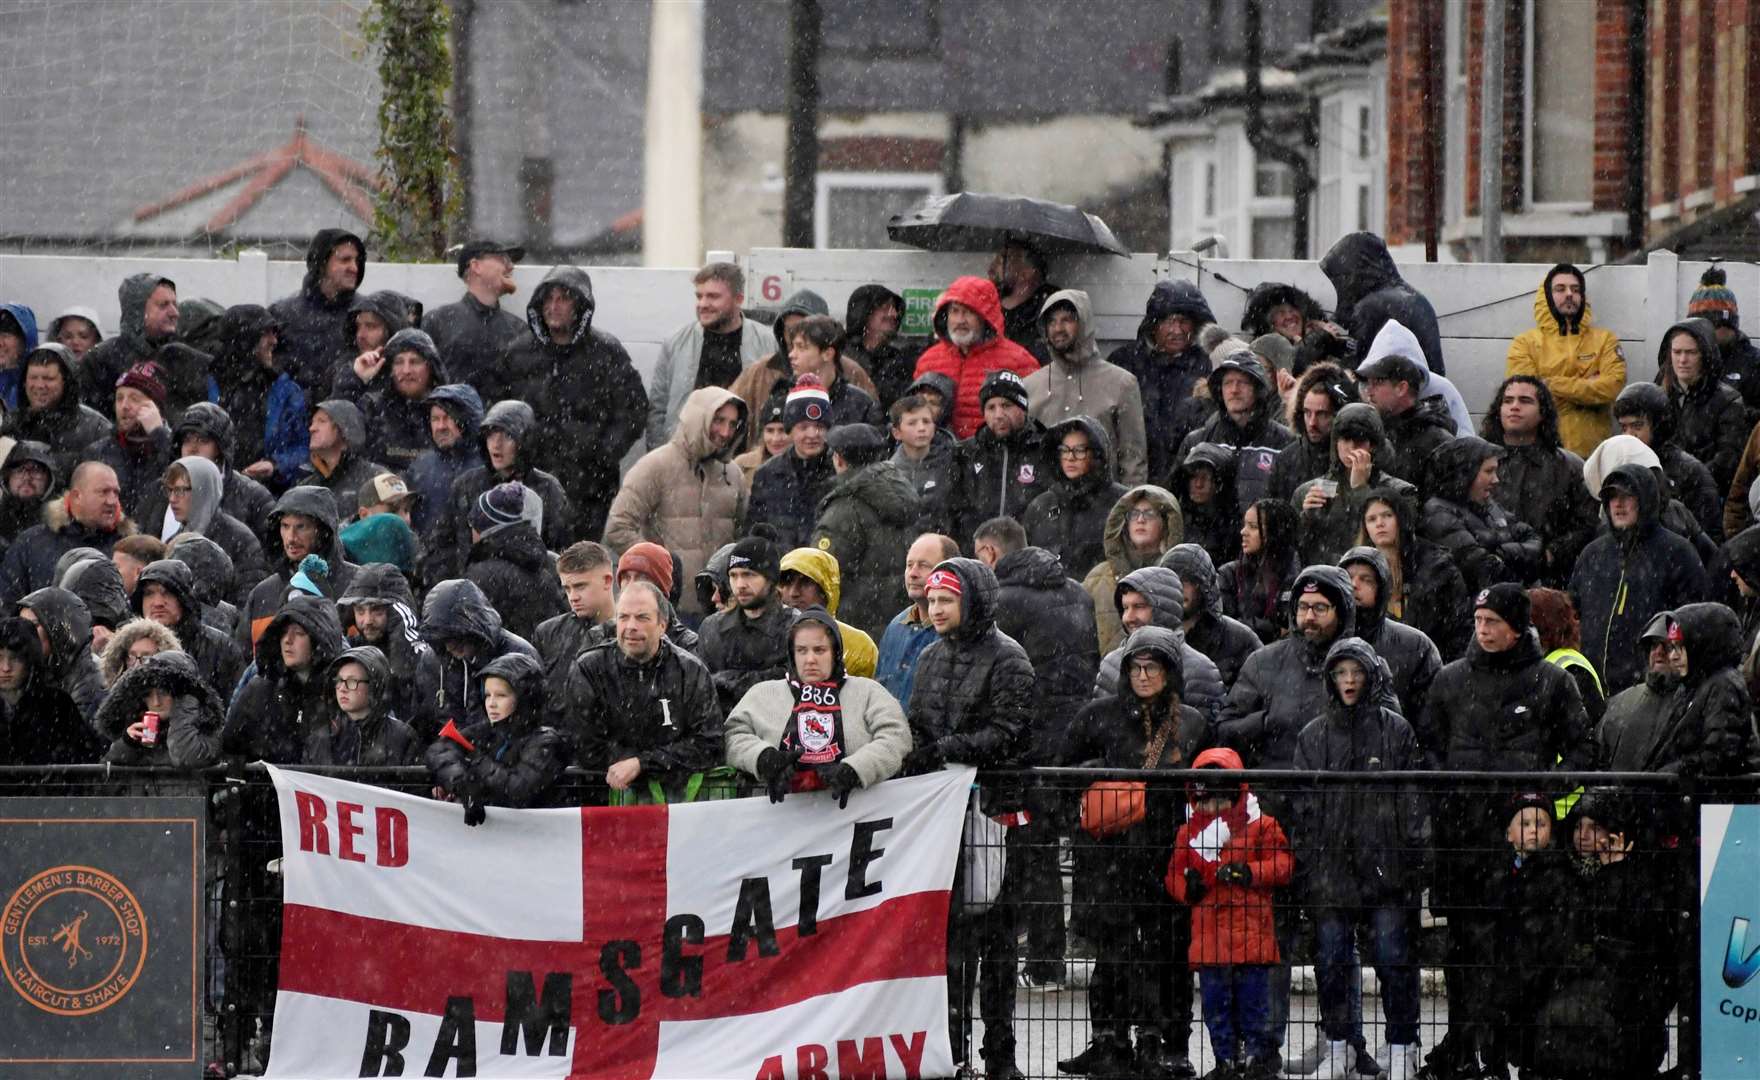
1226, 860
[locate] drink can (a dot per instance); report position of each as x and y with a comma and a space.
149, 729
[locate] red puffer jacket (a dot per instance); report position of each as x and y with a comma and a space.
968, 370
1231, 924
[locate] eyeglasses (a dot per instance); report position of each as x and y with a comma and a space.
1313, 609
1075, 453
346, 683
174, 490
1145, 668
1142, 515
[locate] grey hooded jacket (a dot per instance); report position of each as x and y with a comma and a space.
1204, 688
1080, 383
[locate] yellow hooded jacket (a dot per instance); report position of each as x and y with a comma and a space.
860, 655
1585, 371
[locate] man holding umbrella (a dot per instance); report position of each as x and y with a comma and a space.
1018, 272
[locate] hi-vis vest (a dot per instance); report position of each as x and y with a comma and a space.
1567, 659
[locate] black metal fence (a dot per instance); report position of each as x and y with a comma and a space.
1542, 922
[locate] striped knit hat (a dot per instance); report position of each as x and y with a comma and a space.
1713, 301
807, 401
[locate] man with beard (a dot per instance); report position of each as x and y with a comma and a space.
474, 331
1018, 272
28, 478
1007, 464
1581, 364
970, 348
1076, 382
1168, 363
312, 319
1538, 479
870, 327
711, 350
1635, 717
748, 644
1320, 393
455, 412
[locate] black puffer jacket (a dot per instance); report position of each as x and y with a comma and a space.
265, 599
217, 656
1215, 525
1226, 641
663, 712
1370, 292
70, 662
1359, 846
1416, 436
1487, 542
240, 496
212, 569
1204, 689
451, 687
1710, 419
1332, 528
66, 427
274, 714
1000, 477
1255, 443
449, 546
587, 391
311, 325
518, 762
1069, 518
1710, 725
1053, 619
44, 727
741, 652
517, 574
972, 699
398, 425
1166, 381
1412, 658
1626, 576
402, 645
189, 737
377, 739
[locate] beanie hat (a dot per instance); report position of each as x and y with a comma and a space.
651, 561
382, 538
1275, 350
501, 505
758, 554
312, 571
807, 400
946, 580
1003, 384
1221, 345
1324, 584
1713, 300
771, 413
148, 378
857, 444
1508, 601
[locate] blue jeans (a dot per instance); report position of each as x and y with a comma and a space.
1237, 1006
1389, 944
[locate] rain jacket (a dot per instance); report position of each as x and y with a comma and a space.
1232, 924
214, 581
189, 736
889, 367
1431, 421
1361, 846
98, 584
377, 739
450, 687
392, 309
1069, 519
449, 546
30, 561
786, 493
683, 496
66, 427
588, 393
994, 353
855, 645
761, 382
1330, 529
216, 655
1710, 420
264, 600
1626, 576
876, 735
431, 474
267, 407
1204, 688
106, 361
398, 425
1079, 383
1101, 580
973, 695
275, 712
1166, 382
867, 522
70, 662
474, 338
1709, 730
1486, 541
510, 564
1256, 443
999, 477
18, 514
662, 711
1581, 364
1053, 619
518, 762
1303, 460
354, 469
12, 380
1371, 293
44, 726
208, 518
741, 652
675, 374
1225, 641
1412, 659
402, 646
312, 339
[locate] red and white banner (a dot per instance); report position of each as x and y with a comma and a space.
733, 939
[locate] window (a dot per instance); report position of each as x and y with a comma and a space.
851, 209
897, 29
1560, 58
1274, 238
1209, 189
1273, 180
1365, 133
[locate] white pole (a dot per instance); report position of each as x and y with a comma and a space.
672, 161
1491, 136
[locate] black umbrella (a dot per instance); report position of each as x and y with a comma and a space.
973, 221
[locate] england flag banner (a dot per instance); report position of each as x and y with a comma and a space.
734, 939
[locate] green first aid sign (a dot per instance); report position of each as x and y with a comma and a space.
919, 313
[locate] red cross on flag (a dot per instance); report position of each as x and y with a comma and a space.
724, 939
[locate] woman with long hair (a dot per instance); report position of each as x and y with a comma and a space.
1427, 590
1253, 585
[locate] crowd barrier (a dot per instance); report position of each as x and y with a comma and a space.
1399, 902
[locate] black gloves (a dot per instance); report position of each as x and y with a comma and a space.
840, 780
776, 770
474, 812
1234, 874
1195, 887
924, 759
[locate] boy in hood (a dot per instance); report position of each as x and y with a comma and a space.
77, 328
364, 728
1078, 383
971, 343
506, 437
509, 759
312, 319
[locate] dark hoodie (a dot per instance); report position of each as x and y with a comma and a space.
1329, 529
449, 546
518, 762
189, 736
43, 726
1688, 478
240, 496
1254, 442
1487, 542
402, 645
1053, 619
375, 740
98, 584
311, 324
108, 359
511, 566
1710, 725
890, 365
1625, 576
216, 655
391, 309
1254, 586
451, 687
1069, 519
1710, 420
1412, 658
1204, 689
70, 662
1167, 382
275, 712
589, 394
267, 407
1216, 525
1225, 641
265, 598
432, 473
399, 425
67, 427
1370, 291
972, 702
213, 576
17, 514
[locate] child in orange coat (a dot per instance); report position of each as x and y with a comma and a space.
1226, 860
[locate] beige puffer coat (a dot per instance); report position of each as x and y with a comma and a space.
1102, 580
